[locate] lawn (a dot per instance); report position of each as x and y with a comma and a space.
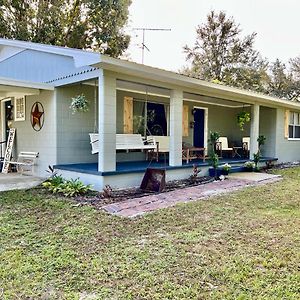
245, 245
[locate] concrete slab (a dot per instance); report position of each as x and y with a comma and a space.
14, 181
254, 176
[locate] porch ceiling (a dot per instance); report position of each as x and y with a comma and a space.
162, 92
140, 88
11, 88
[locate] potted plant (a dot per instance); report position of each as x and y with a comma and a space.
261, 141
249, 166
79, 104
214, 136
256, 159
243, 118
225, 169
214, 161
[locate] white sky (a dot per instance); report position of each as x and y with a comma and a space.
276, 22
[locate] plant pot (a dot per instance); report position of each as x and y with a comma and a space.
214, 173
224, 172
248, 169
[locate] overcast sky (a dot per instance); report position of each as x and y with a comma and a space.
276, 22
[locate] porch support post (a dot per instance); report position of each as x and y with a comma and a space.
107, 122
176, 102
254, 129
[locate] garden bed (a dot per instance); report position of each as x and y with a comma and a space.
109, 195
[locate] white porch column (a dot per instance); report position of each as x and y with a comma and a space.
254, 129
107, 122
176, 102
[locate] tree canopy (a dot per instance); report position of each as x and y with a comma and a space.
83, 24
221, 54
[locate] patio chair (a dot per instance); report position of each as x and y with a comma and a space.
162, 144
26, 162
222, 146
246, 146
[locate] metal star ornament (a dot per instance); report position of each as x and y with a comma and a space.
37, 116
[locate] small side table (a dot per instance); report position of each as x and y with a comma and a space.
193, 153
236, 151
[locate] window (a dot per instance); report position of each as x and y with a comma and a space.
20, 109
150, 118
294, 125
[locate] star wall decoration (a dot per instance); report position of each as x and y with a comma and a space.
37, 116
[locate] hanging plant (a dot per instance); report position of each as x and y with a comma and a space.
79, 104
243, 118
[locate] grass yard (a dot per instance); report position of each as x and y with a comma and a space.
245, 245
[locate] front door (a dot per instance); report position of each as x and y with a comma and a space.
8, 118
199, 117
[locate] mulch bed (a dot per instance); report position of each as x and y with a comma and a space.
109, 195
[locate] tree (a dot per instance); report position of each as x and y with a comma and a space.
283, 82
83, 24
220, 54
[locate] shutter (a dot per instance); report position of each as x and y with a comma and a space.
128, 115
185, 120
286, 124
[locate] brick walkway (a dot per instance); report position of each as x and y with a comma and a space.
138, 206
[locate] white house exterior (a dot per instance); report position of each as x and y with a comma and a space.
53, 75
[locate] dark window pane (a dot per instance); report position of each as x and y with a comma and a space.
291, 131
297, 132
156, 119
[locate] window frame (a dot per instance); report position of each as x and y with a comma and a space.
295, 117
19, 109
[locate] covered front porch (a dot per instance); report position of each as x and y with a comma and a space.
121, 104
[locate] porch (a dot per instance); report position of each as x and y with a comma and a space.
129, 167
128, 105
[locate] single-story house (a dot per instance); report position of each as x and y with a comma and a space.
38, 82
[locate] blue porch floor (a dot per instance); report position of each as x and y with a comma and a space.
141, 166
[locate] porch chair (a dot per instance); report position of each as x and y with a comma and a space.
222, 146
162, 144
25, 162
246, 146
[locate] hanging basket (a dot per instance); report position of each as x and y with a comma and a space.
243, 118
79, 104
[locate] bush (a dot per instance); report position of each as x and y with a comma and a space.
53, 183
69, 188
249, 165
74, 187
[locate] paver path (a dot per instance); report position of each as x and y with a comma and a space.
138, 206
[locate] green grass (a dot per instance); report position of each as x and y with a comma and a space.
245, 245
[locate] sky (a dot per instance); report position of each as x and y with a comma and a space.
276, 23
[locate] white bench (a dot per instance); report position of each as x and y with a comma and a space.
162, 144
25, 162
124, 142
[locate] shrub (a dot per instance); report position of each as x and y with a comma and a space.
69, 188
256, 159
53, 183
73, 187
249, 165
226, 167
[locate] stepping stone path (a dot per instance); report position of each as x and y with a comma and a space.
139, 206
